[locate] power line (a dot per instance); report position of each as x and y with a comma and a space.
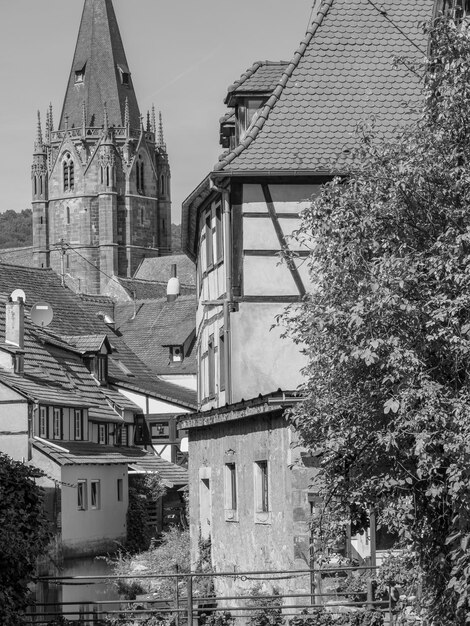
384, 14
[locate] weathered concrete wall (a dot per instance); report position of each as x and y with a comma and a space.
245, 539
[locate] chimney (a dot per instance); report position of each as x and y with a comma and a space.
14, 336
14, 323
173, 288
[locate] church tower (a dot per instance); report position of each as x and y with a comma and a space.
101, 179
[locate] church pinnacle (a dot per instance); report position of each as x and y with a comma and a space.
100, 73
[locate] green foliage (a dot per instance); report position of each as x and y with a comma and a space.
386, 329
169, 555
142, 491
176, 237
16, 229
218, 618
265, 611
24, 536
321, 617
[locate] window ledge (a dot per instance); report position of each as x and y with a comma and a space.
231, 515
263, 517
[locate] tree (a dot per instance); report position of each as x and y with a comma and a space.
386, 329
24, 535
16, 229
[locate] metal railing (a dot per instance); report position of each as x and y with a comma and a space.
195, 594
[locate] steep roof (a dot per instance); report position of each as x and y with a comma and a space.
100, 55
150, 326
159, 269
73, 316
343, 74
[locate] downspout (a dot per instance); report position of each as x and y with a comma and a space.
227, 232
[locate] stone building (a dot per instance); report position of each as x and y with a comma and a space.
101, 177
290, 128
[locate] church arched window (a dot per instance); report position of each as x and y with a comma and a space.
68, 171
140, 174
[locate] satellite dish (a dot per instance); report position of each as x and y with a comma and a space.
41, 314
17, 294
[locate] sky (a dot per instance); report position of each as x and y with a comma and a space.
183, 54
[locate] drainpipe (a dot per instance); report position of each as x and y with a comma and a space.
227, 231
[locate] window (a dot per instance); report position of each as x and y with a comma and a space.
101, 368
95, 494
102, 433
162, 185
142, 217
120, 493
140, 175
222, 360
68, 171
78, 425
67, 211
261, 487
176, 354
160, 430
219, 238
57, 424
43, 422
81, 495
209, 242
230, 486
80, 75
211, 365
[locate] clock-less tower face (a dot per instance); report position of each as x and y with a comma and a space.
101, 178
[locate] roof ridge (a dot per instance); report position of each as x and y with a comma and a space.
24, 267
252, 134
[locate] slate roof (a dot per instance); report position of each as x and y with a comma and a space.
150, 326
72, 317
342, 74
159, 269
86, 343
262, 76
18, 256
99, 50
86, 453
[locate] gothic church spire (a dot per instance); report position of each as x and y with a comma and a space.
99, 73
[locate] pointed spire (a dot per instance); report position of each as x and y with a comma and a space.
148, 121
39, 144
100, 72
48, 128
161, 141
154, 122
126, 114
51, 119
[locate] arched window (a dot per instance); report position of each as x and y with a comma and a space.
140, 174
35, 185
68, 214
69, 175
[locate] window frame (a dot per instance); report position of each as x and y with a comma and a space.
82, 487
211, 366
43, 422
102, 429
219, 233
120, 489
209, 235
231, 491
222, 348
95, 494
78, 413
57, 424
262, 492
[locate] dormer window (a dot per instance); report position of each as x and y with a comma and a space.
176, 354
69, 173
246, 114
125, 76
80, 75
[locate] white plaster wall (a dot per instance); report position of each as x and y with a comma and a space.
91, 530
13, 424
154, 406
262, 361
188, 381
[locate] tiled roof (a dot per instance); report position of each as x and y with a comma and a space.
262, 76
150, 326
159, 269
100, 52
86, 453
18, 256
73, 316
86, 343
343, 74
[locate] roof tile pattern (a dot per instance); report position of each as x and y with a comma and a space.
149, 327
85, 453
159, 269
344, 76
261, 76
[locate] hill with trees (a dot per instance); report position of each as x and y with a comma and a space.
16, 229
